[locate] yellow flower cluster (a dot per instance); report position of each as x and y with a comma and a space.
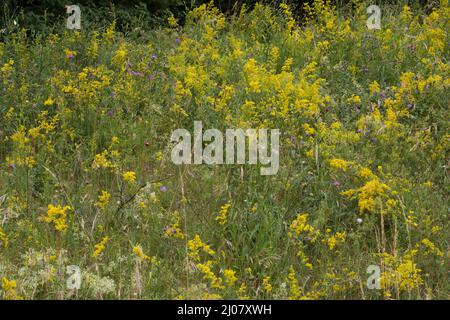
9, 287
339, 164
103, 199
368, 195
101, 161
100, 247
137, 250
129, 176
267, 287
300, 228
194, 247
58, 216
215, 281
230, 276
223, 214
174, 230
335, 239
294, 288
400, 273
430, 248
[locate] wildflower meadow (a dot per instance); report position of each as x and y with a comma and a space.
355, 206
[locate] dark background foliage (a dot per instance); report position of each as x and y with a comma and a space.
45, 15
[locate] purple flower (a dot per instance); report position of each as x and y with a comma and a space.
337, 184
151, 77
163, 188
109, 112
177, 40
70, 56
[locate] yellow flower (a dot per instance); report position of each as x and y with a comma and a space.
266, 285
355, 99
9, 287
100, 247
101, 161
368, 194
241, 291
69, 53
340, 164
400, 273
49, 102
137, 250
174, 230
300, 228
7, 67
8, 284
335, 239
294, 288
222, 217
230, 276
194, 247
374, 87
120, 56
208, 274
172, 21
129, 176
430, 248
103, 199
57, 216
366, 173
428, 184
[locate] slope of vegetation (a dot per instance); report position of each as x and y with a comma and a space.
86, 177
